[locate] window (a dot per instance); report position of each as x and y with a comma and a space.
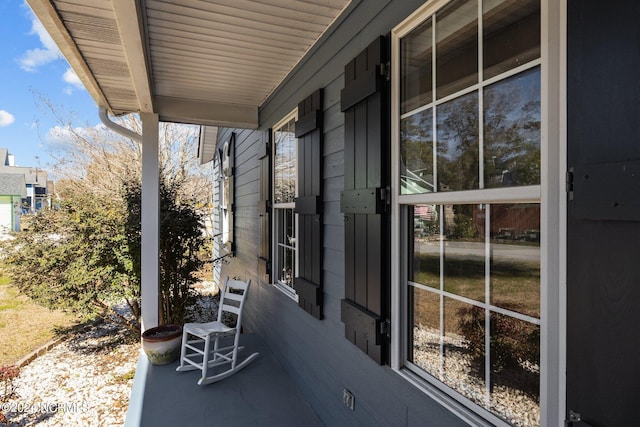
468, 165
285, 222
226, 159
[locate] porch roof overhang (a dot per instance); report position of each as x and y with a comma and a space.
189, 61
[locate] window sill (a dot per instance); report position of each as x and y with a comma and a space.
288, 291
467, 413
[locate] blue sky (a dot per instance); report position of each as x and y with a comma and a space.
31, 67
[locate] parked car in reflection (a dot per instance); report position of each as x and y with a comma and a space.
506, 234
530, 236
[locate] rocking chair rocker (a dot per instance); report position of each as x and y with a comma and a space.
201, 355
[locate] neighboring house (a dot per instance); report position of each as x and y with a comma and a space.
37, 186
12, 191
437, 202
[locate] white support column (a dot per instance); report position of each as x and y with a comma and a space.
150, 221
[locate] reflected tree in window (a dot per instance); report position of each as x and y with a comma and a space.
285, 163
416, 153
512, 131
458, 147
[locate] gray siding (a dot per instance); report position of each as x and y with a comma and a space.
315, 352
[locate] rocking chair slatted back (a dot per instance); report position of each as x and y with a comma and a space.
205, 352
232, 302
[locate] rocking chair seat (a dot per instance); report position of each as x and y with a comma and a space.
198, 354
202, 329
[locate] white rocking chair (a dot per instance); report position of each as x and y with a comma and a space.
204, 357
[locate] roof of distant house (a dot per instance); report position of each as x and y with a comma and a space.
12, 185
32, 175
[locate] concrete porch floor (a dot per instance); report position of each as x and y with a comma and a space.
261, 394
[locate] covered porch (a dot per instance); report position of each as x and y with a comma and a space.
211, 63
262, 394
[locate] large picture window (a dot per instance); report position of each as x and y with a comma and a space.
285, 192
469, 171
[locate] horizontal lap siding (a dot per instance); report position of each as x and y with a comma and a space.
315, 353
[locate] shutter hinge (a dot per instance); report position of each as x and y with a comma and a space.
385, 329
385, 70
569, 183
385, 196
574, 418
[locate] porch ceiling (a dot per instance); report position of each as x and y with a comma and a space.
206, 62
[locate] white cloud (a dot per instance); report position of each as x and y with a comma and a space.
61, 134
34, 58
6, 118
72, 78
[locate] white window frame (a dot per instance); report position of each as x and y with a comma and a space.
551, 196
287, 290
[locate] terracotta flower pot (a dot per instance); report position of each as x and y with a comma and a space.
162, 343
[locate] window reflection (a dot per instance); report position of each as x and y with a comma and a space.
426, 245
456, 47
515, 258
285, 163
511, 34
463, 348
417, 57
489, 351
474, 269
416, 153
424, 347
515, 367
286, 245
512, 131
464, 250
284, 192
457, 142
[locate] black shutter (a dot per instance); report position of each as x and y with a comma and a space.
264, 208
603, 215
308, 282
365, 102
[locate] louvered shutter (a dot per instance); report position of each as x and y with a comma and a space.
365, 102
308, 282
264, 207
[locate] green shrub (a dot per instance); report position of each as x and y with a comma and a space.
85, 256
512, 341
181, 241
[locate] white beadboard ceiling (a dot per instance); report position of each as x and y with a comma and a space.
207, 62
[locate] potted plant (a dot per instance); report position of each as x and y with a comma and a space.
162, 343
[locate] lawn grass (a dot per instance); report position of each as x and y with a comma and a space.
24, 325
514, 286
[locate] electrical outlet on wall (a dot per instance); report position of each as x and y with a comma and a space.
348, 399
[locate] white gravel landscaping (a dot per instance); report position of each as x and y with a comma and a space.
84, 381
511, 404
